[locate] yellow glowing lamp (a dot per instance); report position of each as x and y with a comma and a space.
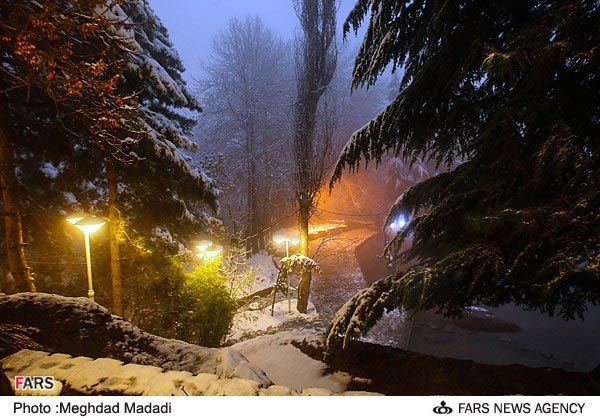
213, 251
279, 239
76, 217
294, 240
203, 245
90, 224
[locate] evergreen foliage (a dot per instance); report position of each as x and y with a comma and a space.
198, 308
505, 94
163, 195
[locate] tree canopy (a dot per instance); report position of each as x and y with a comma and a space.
505, 95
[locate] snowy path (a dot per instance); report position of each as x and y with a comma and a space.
340, 276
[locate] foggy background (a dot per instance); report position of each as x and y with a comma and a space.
193, 24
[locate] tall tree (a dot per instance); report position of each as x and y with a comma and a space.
316, 62
510, 92
247, 89
67, 53
154, 74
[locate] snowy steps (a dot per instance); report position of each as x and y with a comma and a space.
104, 376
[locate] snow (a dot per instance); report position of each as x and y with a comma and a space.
85, 320
286, 365
298, 263
251, 322
109, 376
261, 269
70, 198
264, 268
50, 170
104, 376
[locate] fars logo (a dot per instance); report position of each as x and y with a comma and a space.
34, 382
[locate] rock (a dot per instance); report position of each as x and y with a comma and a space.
358, 393
448, 329
5, 386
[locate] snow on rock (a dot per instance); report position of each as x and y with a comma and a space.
250, 323
288, 366
103, 376
83, 375
80, 327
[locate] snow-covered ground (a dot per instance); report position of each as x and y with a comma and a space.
288, 366
246, 277
79, 326
256, 319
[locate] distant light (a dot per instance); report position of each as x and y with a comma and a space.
279, 239
289, 235
90, 224
204, 244
294, 240
210, 251
399, 223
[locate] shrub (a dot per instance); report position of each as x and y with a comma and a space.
195, 307
208, 306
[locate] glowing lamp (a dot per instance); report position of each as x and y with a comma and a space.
278, 238
203, 245
213, 251
90, 224
294, 240
76, 217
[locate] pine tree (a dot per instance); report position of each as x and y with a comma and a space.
508, 92
155, 76
62, 53
160, 199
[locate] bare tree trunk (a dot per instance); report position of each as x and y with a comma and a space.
315, 67
114, 226
13, 229
254, 221
306, 278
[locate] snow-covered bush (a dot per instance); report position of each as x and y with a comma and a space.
297, 264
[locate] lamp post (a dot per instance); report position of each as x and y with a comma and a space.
88, 225
288, 238
207, 250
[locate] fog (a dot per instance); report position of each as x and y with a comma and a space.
193, 24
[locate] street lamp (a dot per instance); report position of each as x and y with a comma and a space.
289, 238
281, 237
88, 225
207, 250
76, 217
